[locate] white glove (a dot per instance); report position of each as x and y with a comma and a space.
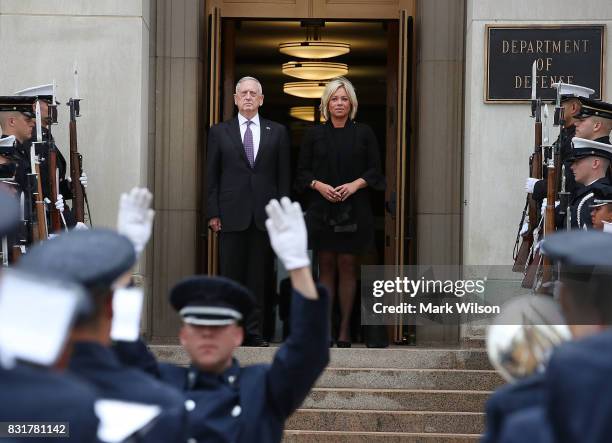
545, 203
607, 227
135, 219
80, 226
530, 184
525, 227
83, 179
59, 203
287, 232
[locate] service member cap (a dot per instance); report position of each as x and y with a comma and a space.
94, 258
602, 196
580, 254
211, 301
45, 92
584, 148
19, 104
594, 108
567, 91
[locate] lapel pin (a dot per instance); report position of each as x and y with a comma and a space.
267, 128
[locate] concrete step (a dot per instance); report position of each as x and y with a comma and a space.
397, 399
447, 379
386, 421
375, 437
393, 357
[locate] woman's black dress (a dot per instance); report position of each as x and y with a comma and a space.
337, 156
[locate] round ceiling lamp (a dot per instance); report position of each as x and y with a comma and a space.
306, 113
305, 89
314, 49
315, 70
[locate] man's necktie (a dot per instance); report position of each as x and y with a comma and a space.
248, 143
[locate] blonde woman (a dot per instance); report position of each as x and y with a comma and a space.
338, 162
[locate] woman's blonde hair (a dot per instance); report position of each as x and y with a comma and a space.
331, 88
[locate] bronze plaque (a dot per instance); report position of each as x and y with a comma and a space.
564, 53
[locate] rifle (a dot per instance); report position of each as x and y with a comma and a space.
523, 253
535, 170
41, 231
549, 225
56, 224
76, 160
533, 258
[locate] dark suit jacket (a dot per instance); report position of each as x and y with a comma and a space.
238, 193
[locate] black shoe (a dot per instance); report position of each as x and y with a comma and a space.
343, 344
331, 343
255, 341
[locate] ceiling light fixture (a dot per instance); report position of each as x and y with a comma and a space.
315, 70
314, 49
305, 89
306, 113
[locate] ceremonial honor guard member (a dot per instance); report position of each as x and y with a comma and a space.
45, 95
590, 163
601, 209
101, 260
249, 404
578, 395
30, 390
17, 119
569, 99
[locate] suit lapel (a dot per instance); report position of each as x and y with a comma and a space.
265, 134
233, 130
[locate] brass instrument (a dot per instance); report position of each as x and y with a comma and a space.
523, 336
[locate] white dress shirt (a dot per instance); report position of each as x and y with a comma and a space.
255, 129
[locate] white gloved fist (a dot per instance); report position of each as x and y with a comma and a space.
607, 227
135, 219
287, 231
530, 184
545, 203
525, 227
83, 179
59, 203
80, 226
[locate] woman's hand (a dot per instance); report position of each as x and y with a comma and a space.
348, 189
327, 192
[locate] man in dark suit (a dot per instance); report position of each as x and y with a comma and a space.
248, 165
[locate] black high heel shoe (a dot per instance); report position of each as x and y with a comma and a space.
343, 344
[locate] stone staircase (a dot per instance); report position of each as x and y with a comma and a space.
399, 394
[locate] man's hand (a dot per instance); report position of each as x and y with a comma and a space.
530, 184
59, 203
348, 189
215, 224
327, 192
525, 227
545, 203
287, 232
135, 219
83, 179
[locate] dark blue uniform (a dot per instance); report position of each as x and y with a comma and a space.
510, 399
527, 425
36, 395
99, 366
251, 404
